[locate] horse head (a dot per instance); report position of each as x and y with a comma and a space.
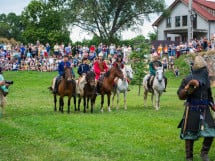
159, 74
128, 72
67, 74
90, 78
117, 72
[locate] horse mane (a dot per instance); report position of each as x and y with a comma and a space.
107, 74
89, 75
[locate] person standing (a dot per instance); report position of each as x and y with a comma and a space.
197, 120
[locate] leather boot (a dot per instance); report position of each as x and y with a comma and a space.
189, 149
205, 148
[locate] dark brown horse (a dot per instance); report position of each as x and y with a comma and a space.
106, 85
66, 87
89, 93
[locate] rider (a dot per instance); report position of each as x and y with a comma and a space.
100, 67
83, 68
63, 64
155, 62
119, 61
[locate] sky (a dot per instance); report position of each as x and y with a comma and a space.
17, 6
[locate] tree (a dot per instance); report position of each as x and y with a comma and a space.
139, 61
45, 22
10, 26
106, 19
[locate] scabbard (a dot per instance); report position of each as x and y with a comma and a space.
186, 118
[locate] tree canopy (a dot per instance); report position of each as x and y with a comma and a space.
106, 19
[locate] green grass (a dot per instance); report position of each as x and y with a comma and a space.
32, 131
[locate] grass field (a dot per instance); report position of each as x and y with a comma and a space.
32, 131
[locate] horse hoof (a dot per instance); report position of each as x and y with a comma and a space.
109, 110
102, 110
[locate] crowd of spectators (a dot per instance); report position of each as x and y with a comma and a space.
39, 57
168, 53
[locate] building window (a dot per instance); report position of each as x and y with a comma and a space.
194, 20
168, 22
177, 21
184, 20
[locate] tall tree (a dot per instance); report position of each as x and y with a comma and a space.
106, 19
10, 26
45, 21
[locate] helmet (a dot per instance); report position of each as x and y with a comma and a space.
101, 54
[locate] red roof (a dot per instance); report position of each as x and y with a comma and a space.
199, 6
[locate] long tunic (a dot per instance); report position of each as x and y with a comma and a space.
199, 121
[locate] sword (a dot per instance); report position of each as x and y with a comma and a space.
185, 119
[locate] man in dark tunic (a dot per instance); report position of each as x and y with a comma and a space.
197, 120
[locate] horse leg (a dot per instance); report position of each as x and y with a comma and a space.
156, 100
74, 99
61, 104
152, 99
102, 102
108, 97
69, 99
88, 99
92, 102
60, 108
125, 104
113, 99
117, 100
55, 101
84, 104
145, 96
79, 103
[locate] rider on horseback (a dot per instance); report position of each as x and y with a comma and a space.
83, 68
100, 67
119, 61
63, 64
155, 62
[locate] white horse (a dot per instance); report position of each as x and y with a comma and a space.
122, 85
157, 87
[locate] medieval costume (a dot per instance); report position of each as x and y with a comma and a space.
197, 120
100, 66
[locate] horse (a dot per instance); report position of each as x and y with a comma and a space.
66, 87
122, 85
158, 87
87, 90
106, 86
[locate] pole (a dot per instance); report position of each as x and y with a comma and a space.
190, 25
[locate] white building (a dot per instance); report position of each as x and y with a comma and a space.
174, 27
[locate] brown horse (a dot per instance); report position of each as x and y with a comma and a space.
89, 93
106, 85
66, 87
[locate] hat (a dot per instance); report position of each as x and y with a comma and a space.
154, 56
84, 58
100, 54
199, 62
